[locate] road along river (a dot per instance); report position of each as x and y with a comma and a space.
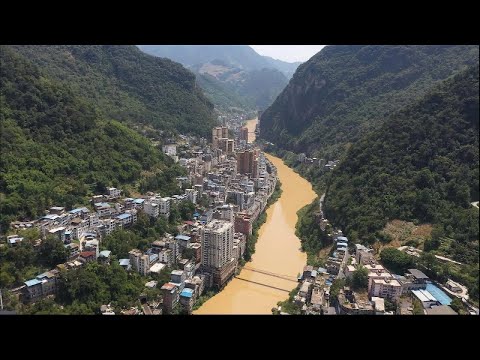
277, 251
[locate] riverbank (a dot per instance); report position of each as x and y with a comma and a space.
250, 247
277, 251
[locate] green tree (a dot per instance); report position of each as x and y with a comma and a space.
396, 260
360, 279
52, 252
457, 305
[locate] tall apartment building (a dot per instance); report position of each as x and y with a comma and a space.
163, 206
217, 243
226, 145
152, 209
219, 132
243, 223
247, 162
171, 297
244, 133
142, 262
191, 195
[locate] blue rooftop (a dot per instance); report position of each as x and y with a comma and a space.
124, 216
51, 217
182, 237
153, 257
322, 270
138, 201
187, 293
32, 282
124, 262
196, 214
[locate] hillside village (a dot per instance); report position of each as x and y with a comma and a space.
228, 182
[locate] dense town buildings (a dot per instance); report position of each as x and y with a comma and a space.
231, 179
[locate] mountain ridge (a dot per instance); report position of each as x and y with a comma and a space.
127, 84
344, 90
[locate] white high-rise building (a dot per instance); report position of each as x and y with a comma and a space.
151, 209
217, 243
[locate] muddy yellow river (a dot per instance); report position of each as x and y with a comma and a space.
277, 252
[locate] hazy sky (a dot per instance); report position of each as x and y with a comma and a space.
289, 53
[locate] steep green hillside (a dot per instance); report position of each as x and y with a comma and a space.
127, 84
222, 94
344, 91
55, 147
261, 86
231, 75
422, 165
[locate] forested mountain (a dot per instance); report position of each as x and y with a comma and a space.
128, 85
421, 165
344, 91
56, 147
241, 56
231, 75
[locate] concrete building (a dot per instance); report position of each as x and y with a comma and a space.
58, 233
142, 262
219, 132
386, 288
217, 243
114, 192
243, 133
191, 195
170, 296
164, 206
43, 285
177, 276
243, 223
247, 162
363, 255
187, 299
170, 149
125, 219
426, 298
152, 209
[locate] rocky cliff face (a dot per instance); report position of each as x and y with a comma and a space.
344, 91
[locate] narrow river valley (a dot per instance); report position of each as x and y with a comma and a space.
277, 252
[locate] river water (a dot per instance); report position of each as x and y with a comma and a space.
277, 251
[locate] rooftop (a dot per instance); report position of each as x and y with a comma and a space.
168, 286
156, 268
124, 216
417, 274
182, 237
77, 210
186, 292
102, 204
85, 254
124, 262
423, 295
32, 282
105, 253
